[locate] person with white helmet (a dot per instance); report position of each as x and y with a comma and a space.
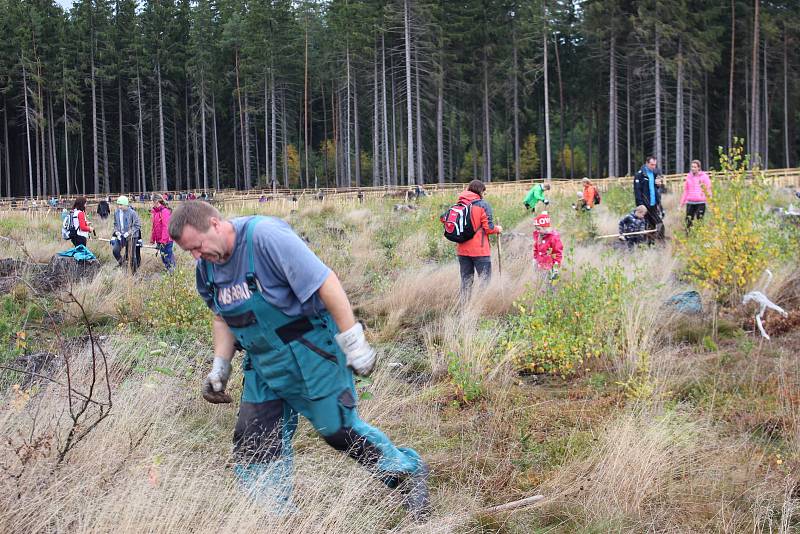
127, 226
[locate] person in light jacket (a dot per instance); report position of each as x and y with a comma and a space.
127, 225
696, 190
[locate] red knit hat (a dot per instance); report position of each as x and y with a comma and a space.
542, 220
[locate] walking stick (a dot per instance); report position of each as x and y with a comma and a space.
500, 257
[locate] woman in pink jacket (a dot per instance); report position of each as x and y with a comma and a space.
696, 189
160, 236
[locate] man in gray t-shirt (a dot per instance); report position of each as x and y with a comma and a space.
274, 299
289, 273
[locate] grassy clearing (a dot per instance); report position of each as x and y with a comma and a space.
657, 425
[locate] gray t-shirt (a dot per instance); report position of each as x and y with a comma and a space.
288, 272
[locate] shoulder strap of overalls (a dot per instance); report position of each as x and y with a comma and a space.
250, 276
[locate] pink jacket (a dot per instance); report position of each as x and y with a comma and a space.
693, 188
160, 225
548, 252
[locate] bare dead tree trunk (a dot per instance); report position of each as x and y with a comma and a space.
305, 112
8, 148
95, 162
679, 128
785, 100
161, 136
561, 112
53, 153
28, 124
515, 105
385, 115
274, 130
121, 151
143, 175
487, 134
658, 96
247, 163
347, 121
66, 143
730, 79
214, 135
628, 118
409, 121
83, 161
356, 137
755, 123
548, 155
325, 133
235, 148
106, 174
376, 160
284, 138
766, 110
420, 175
203, 129
612, 108
690, 126
395, 176
440, 118
706, 148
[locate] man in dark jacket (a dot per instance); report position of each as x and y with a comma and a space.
646, 192
103, 209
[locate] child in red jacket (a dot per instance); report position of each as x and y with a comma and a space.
547, 248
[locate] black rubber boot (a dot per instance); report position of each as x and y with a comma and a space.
416, 497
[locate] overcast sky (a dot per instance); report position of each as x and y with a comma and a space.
66, 4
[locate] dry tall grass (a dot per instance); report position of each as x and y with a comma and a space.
661, 463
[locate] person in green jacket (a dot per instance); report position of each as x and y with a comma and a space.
536, 195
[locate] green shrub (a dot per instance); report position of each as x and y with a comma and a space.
465, 378
618, 200
729, 250
174, 307
560, 333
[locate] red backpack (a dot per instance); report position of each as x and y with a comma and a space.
457, 221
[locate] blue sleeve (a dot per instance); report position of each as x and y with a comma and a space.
200, 279
289, 259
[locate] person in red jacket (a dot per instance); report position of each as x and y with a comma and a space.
475, 255
79, 227
547, 248
160, 235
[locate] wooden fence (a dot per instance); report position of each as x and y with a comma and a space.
295, 197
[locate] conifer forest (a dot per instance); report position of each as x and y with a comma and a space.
124, 96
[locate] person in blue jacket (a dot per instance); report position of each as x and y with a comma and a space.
274, 298
647, 185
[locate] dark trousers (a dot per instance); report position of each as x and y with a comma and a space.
468, 266
77, 240
167, 257
694, 211
654, 222
119, 245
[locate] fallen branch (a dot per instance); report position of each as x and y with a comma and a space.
625, 235
513, 505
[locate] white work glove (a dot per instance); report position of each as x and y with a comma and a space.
117, 235
217, 379
621, 238
360, 355
126, 234
546, 202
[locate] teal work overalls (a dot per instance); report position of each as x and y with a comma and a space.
294, 365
